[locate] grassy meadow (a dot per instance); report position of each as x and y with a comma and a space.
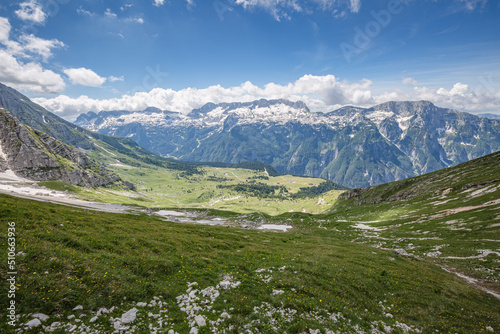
311, 278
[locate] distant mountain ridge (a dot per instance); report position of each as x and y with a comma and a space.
352, 146
102, 148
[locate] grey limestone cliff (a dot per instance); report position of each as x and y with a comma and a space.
34, 155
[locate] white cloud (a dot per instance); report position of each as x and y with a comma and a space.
320, 93
31, 11
159, 3
410, 82
113, 78
85, 77
139, 20
285, 8
30, 46
472, 4
190, 4
355, 6
40, 46
30, 76
109, 13
82, 11
126, 6
4, 29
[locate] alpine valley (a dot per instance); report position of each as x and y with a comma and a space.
113, 238
351, 146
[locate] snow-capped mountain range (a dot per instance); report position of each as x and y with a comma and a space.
352, 146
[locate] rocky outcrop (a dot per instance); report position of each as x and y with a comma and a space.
34, 155
37, 117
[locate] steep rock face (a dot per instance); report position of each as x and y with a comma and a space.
37, 156
355, 147
37, 117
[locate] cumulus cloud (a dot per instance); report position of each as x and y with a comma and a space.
285, 8
39, 46
4, 29
30, 46
320, 93
410, 82
31, 11
84, 76
159, 3
28, 76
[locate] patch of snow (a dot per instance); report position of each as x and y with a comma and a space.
10, 176
403, 122
485, 253
2, 154
121, 165
483, 191
171, 213
451, 131
30, 191
283, 228
442, 160
362, 226
379, 115
102, 148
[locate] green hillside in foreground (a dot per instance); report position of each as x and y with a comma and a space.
450, 217
311, 278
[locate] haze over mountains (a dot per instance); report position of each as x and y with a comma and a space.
355, 147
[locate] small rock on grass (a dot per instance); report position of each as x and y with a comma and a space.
33, 323
41, 316
200, 320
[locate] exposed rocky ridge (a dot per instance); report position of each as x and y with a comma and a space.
34, 155
352, 146
37, 117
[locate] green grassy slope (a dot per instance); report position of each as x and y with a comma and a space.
70, 256
450, 217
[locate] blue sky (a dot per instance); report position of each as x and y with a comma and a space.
77, 56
